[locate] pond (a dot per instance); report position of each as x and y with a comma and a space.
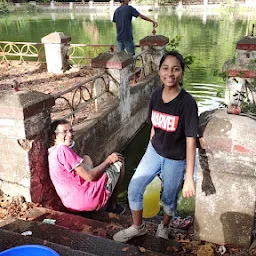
209, 37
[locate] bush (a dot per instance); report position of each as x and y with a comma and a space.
3, 7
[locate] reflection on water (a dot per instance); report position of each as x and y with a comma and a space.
209, 36
208, 96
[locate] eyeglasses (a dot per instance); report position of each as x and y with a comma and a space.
65, 132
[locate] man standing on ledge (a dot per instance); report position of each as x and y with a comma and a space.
123, 19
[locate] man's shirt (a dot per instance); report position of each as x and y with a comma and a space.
123, 19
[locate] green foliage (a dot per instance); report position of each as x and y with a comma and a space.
245, 97
146, 2
27, 8
173, 45
163, 2
3, 7
223, 75
189, 60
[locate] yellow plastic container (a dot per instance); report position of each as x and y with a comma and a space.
151, 202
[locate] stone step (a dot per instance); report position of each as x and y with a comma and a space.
9, 239
105, 225
126, 221
78, 241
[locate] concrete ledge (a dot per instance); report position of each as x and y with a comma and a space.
10, 239
81, 241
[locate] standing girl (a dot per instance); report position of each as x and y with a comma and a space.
171, 151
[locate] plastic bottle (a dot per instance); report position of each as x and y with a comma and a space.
151, 202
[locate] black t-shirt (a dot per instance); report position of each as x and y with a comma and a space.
173, 122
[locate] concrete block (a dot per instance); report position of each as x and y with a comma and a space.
226, 192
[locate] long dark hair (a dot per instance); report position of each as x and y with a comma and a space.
176, 54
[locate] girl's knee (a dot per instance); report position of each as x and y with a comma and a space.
135, 191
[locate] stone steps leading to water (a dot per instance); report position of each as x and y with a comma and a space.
84, 234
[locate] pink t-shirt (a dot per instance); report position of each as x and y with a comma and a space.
75, 193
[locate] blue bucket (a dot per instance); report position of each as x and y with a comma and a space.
29, 250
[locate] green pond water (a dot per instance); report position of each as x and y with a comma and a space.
209, 37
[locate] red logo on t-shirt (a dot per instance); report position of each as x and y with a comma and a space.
164, 121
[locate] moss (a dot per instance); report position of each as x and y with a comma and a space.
186, 206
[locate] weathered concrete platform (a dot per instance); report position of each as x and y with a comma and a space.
76, 235
10, 239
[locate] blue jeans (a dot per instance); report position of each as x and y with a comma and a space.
171, 172
128, 45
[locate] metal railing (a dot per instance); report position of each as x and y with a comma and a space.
138, 68
81, 54
95, 3
89, 96
22, 51
138, 73
78, 54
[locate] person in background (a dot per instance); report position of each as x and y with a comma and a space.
171, 150
123, 19
80, 186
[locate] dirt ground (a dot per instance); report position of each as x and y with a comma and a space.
17, 207
34, 77
21, 76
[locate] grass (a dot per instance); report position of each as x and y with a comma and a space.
186, 206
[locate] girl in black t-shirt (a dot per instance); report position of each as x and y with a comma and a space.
171, 151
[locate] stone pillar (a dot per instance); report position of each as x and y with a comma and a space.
24, 125
156, 5
91, 4
180, 6
119, 66
155, 47
56, 49
71, 5
225, 189
52, 4
242, 70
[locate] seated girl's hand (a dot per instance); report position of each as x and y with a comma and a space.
115, 157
